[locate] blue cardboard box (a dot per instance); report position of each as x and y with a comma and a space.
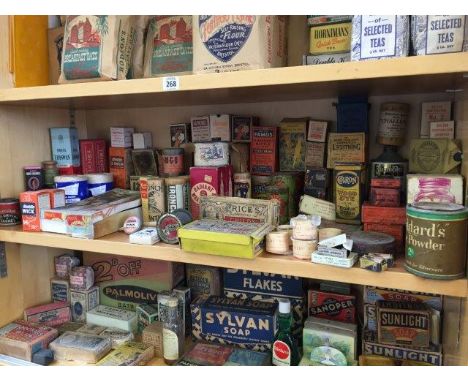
65, 146
245, 323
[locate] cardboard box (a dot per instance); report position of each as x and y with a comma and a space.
442, 129
220, 127
394, 183
57, 197
217, 237
313, 206
112, 317
331, 306
203, 280
121, 166
153, 335
385, 197
383, 215
316, 182
53, 314
129, 354
244, 357
433, 112
60, 290
441, 188
153, 199
82, 301
32, 203
292, 142
263, 150
330, 38
434, 156
82, 347
65, 147
208, 354
346, 147
142, 140
146, 315
239, 154
370, 317
241, 127
317, 131
200, 129
55, 44
184, 294
93, 154
315, 154
180, 134
117, 336
126, 282
144, 162
374, 294
122, 136
349, 181
245, 323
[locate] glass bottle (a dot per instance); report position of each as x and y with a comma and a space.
173, 337
285, 348
435, 190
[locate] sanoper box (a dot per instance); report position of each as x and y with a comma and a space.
244, 323
217, 237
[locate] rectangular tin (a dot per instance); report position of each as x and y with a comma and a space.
349, 180
346, 147
292, 142
331, 306
153, 201
263, 150
330, 38
203, 280
385, 197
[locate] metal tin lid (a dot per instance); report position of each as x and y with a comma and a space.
173, 151
9, 201
33, 167
49, 163
167, 228
437, 211
184, 215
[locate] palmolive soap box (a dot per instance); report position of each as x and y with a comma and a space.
242, 322
125, 282
260, 286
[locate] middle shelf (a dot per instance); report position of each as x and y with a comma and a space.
117, 244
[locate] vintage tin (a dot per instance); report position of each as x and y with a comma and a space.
144, 162
169, 223
372, 242
121, 166
281, 195
321, 59
82, 301
204, 280
146, 315
292, 139
10, 212
403, 323
290, 181
50, 171
263, 150
180, 134
313, 20
330, 38
346, 147
436, 239
331, 306
173, 161
395, 230
33, 178
248, 324
242, 185
315, 154
443, 129
241, 127
348, 192
447, 188
177, 193
434, 112
259, 182
211, 154
32, 203
392, 124
383, 215
200, 129
152, 198
434, 156
93, 154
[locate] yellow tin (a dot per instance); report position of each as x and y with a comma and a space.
330, 38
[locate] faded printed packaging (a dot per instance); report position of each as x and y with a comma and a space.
383, 215
220, 127
208, 181
135, 182
292, 138
200, 129
315, 154
168, 46
331, 306
248, 324
281, 195
395, 230
93, 153
346, 147
316, 182
293, 185
82, 301
348, 192
321, 59
152, 198
434, 112
447, 188
121, 166
330, 38
442, 129
203, 280
241, 127
180, 134
53, 314
434, 156
370, 317
59, 290
385, 197
374, 294
259, 286
263, 158
224, 43
126, 282
32, 203
65, 147
146, 315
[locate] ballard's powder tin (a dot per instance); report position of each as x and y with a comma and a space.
436, 238
9, 212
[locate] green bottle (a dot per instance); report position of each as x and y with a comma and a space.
285, 348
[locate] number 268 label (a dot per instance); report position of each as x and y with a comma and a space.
170, 83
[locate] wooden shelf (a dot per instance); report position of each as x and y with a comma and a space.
117, 244
393, 76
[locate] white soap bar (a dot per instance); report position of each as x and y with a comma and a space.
112, 317
148, 236
335, 261
117, 336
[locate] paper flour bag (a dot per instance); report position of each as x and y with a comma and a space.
231, 43
138, 53
168, 46
97, 48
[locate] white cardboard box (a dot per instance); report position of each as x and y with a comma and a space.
122, 136
442, 129
142, 140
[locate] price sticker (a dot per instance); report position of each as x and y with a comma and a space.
170, 83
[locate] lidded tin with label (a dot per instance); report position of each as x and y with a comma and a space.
33, 178
436, 239
242, 185
177, 193
392, 123
173, 161
169, 223
10, 211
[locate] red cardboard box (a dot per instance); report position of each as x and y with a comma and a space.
263, 148
383, 215
395, 230
207, 181
31, 205
93, 153
331, 306
121, 166
386, 183
385, 197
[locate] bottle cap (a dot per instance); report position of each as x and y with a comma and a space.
284, 305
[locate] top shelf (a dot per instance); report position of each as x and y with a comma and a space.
420, 74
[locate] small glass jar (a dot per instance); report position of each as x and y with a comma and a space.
434, 190
50, 171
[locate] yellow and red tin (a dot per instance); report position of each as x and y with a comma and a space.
348, 192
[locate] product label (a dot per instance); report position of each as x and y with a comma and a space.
330, 38
59, 291
378, 36
175, 197
201, 129
347, 194
444, 34
263, 150
170, 344
281, 354
315, 154
201, 189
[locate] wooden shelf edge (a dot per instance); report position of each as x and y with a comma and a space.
117, 244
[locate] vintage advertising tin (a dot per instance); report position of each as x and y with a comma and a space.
348, 192
50, 171
346, 147
177, 193
290, 181
434, 112
146, 315
330, 38
169, 223
436, 239
180, 134
315, 154
242, 185
332, 306
403, 323
434, 156
152, 198
33, 178
121, 166
292, 139
10, 212
281, 195
263, 148
372, 242
393, 123
313, 20
211, 154
241, 127
447, 188
316, 182
248, 324
173, 161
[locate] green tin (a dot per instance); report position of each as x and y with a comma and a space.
281, 194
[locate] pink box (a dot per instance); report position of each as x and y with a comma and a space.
52, 314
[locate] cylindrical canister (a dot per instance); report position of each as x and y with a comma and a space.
211, 154
100, 183
436, 239
173, 161
169, 223
278, 242
303, 228
288, 228
372, 242
177, 193
33, 178
302, 249
242, 185
392, 123
325, 233
9, 212
50, 171
75, 187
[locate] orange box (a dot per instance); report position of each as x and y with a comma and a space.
57, 197
32, 203
121, 166
383, 215
395, 230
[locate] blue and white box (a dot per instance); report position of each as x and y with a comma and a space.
65, 146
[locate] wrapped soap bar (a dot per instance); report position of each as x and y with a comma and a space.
373, 262
91, 329
112, 317
117, 336
380, 36
53, 314
129, 354
64, 264
81, 278
73, 346
60, 290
